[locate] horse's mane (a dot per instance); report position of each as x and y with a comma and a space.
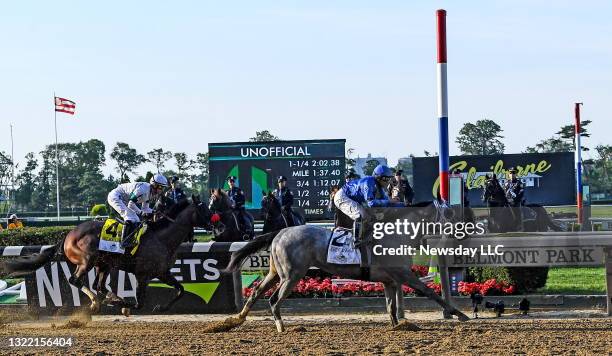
270, 199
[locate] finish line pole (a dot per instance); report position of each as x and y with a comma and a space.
442, 104
443, 137
578, 159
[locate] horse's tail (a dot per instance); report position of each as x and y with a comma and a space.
22, 266
259, 243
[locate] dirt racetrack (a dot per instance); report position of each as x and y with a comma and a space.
337, 334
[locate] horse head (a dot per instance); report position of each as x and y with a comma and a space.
270, 206
493, 190
219, 201
201, 215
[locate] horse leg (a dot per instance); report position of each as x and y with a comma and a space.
76, 280
100, 291
285, 289
141, 291
399, 297
170, 280
391, 301
267, 283
414, 282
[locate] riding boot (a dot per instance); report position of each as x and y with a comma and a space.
126, 235
361, 242
248, 228
357, 227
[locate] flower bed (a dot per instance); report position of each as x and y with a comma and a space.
325, 288
489, 287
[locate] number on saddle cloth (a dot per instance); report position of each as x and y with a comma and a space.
341, 249
110, 236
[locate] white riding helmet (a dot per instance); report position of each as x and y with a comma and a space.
159, 179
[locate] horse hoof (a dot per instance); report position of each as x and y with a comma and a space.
462, 317
94, 307
125, 312
279, 326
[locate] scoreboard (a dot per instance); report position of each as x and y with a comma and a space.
311, 167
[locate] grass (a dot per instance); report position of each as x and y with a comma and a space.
575, 280
597, 211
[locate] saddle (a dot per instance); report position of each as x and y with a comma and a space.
110, 236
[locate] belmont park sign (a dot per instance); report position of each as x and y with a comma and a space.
529, 249
532, 256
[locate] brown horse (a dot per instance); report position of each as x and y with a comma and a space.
153, 259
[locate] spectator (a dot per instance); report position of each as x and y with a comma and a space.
176, 193
1, 228
14, 223
399, 189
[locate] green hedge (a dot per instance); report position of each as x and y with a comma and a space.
525, 279
98, 209
34, 235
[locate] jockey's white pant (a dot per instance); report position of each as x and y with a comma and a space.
348, 206
116, 202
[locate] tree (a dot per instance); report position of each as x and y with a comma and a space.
568, 133
26, 182
605, 159
93, 189
481, 138
183, 164
264, 135
41, 199
549, 145
6, 169
127, 159
564, 141
369, 166
200, 178
159, 157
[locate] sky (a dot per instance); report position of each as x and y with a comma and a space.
181, 74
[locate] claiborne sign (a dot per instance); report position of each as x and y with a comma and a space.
548, 177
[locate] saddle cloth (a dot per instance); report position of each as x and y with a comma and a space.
110, 237
342, 249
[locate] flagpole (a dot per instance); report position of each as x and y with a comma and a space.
12, 169
57, 198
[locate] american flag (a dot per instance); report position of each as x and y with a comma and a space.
64, 105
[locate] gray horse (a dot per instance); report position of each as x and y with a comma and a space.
295, 249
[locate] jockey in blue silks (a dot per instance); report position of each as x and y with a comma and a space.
369, 191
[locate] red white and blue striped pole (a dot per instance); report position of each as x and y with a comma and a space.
578, 160
442, 105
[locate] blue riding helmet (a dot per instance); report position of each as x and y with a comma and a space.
382, 171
